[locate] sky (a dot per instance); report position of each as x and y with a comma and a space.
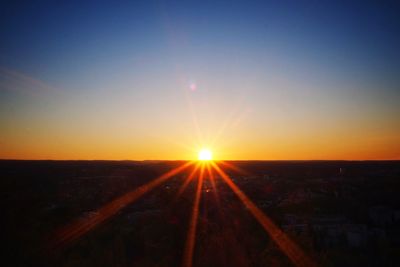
250, 80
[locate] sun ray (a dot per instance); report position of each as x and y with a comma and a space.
187, 181
213, 184
222, 128
234, 168
194, 118
232, 121
294, 252
82, 226
191, 237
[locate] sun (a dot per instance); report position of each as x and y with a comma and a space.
205, 154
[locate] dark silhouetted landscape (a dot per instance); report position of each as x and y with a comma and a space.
341, 213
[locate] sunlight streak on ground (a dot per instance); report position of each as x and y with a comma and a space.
213, 184
187, 181
294, 252
234, 168
82, 226
191, 237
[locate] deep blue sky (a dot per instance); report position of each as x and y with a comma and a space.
292, 65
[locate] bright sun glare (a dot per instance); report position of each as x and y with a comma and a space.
205, 154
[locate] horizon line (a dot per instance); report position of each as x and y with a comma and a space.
171, 160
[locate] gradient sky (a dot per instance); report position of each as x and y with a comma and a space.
160, 79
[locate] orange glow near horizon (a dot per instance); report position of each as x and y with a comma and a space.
39, 145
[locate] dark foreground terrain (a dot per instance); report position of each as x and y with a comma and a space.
339, 213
